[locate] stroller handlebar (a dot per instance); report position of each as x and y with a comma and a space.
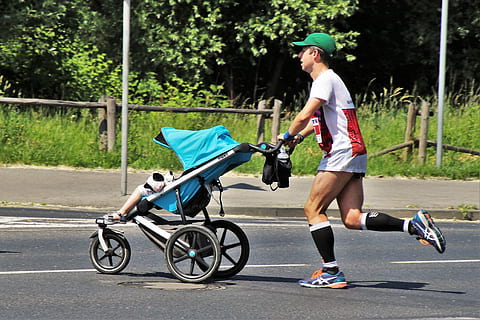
263, 147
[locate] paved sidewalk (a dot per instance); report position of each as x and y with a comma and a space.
99, 190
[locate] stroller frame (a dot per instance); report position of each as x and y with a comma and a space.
195, 250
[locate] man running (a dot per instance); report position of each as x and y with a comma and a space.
330, 114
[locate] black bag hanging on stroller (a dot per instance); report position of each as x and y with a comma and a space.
278, 168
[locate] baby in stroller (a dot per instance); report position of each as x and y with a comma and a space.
155, 183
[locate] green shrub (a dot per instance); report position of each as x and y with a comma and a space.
43, 136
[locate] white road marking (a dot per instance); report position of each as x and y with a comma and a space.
32, 222
94, 270
45, 271
275, 265
436, 261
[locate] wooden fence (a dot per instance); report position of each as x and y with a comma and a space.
421, 142
107, 114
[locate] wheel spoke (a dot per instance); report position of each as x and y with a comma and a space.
195, 241
180, 259
201, 263
192, 266
229, 258
110, 260
108, 254
102, 257
231, 246
114, 254
205, 249
222, 238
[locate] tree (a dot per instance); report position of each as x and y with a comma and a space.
72, 49
231, 42
269, 27
48, 47
400, 41
46, 53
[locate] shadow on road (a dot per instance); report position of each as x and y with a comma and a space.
396, 285
3, 251
399, 285
244, 186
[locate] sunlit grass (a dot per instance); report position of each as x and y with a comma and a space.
39, 137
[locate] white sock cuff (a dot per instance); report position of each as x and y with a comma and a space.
406, 223
320, 225
363, 220
331, 264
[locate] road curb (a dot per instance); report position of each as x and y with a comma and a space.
280, 212
452, 214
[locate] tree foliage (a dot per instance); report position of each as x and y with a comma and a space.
72, 49
400, 40
45, 51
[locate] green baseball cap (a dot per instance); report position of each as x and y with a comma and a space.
321, 40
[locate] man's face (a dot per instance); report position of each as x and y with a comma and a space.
306, 57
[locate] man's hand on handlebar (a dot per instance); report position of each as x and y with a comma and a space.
289, 140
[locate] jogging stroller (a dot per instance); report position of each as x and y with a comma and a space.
195, 249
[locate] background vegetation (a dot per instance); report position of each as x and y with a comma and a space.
38, 136
231, 53
71, 49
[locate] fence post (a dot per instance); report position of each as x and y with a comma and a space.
409, 130
102, 127
277, 110
422, 144
262, 105
111, 123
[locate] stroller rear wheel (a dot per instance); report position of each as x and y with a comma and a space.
115, 259
234, 247
193, 253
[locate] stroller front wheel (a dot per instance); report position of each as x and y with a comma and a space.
115, 259
193, 253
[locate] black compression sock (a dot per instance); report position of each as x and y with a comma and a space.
322, 235
378, 221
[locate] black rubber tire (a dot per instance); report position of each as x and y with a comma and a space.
115, 259
234, 246
193, 253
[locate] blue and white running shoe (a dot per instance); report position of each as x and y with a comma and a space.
321, 279
428, 233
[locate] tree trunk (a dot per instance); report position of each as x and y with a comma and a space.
274, 79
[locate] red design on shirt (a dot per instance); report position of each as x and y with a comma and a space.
353, 141
356, 140
324, 138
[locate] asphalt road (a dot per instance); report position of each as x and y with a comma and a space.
45, 273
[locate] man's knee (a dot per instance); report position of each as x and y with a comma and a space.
352, 219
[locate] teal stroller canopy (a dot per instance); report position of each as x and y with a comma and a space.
194, 149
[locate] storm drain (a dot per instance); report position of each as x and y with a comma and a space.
163, 285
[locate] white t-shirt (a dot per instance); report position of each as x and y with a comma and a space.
336, 126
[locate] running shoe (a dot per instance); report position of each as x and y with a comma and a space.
428, 233
322, 279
